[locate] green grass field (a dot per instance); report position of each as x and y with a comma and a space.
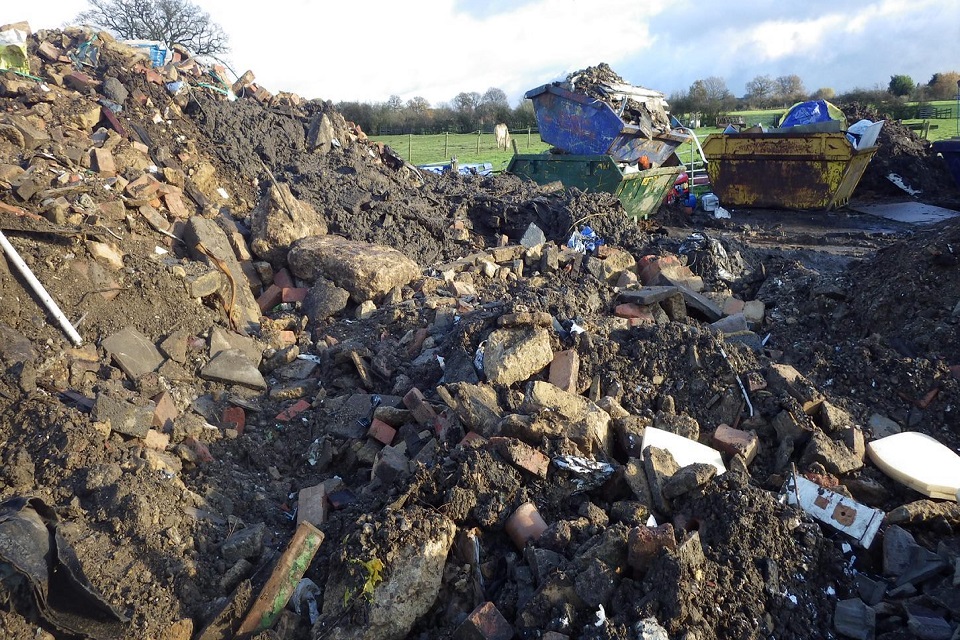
470, 147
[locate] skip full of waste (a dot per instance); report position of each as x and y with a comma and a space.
607, 136
813, 160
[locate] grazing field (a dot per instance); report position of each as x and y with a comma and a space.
466, 147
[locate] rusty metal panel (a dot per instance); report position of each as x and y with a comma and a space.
784, 170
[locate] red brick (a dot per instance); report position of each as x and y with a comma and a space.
644, 544
143, 188
630, 310
293, 294
484, 623
165, 412
287, 338
381, 431
422, 412
293, 411
102, 161
732, 306
522, 455
175, 205
270, 298
565, 369
282, 279
734, 441
234, 418
312, 505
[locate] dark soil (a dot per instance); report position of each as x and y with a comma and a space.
866, 310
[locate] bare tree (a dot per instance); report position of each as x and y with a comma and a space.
465, 102
760, 90
710, 96
790, 89
418, 105
169, 21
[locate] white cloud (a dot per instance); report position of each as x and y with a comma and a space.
438, 48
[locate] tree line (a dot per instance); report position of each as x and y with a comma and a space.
710, 97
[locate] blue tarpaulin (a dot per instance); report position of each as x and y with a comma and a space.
811, 112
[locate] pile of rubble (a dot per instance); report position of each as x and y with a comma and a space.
639, 106
320, 395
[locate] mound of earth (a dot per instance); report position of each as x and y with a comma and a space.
301, 361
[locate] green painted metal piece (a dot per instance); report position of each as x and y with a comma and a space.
640, 192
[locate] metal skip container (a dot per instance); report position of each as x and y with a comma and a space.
640, 192
600, 151
785, 170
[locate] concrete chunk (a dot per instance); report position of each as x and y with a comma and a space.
513, 355
233, 367
133, 352
280, 219
208, 243
365, 270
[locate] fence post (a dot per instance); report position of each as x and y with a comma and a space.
479, 131
446, 136
410, 148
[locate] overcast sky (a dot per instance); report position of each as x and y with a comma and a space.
370, 50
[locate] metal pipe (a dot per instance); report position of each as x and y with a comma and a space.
38, 289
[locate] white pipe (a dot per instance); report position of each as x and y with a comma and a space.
48, 302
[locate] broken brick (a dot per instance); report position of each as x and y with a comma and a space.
101, 161
175, 205
293, 411
484, 623
525, 525
564, 370
271, 297
735, 441
312, 505
165, 412
234, 418
381, 431
422, 412
522, 455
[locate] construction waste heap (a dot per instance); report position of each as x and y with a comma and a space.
313, 393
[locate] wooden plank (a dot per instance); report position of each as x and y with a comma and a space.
286, 574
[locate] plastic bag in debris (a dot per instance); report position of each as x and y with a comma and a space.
705, 254
478, 357
584, 241
88, 53
304, 599
13, 51
720, 213
40, 574
864, 133
650, 629
589, 474
158, 52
